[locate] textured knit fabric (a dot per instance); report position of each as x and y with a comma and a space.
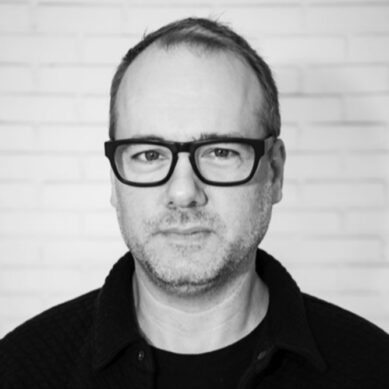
94, 342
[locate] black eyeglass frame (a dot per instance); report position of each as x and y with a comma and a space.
261, 147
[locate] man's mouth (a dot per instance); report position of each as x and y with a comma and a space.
195, 233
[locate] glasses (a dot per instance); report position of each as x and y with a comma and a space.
221, 162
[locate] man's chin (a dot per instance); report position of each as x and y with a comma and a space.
187, 289
184, 286
189, 267
197, 274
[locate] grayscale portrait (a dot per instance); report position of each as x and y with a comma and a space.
194, 196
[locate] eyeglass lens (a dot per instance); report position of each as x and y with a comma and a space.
218, 162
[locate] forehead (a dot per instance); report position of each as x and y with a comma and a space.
183, 91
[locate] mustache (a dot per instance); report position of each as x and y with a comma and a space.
184, 218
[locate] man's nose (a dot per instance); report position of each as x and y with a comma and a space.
184, 188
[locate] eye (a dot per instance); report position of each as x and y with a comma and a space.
149, 156
221, 153
224, 153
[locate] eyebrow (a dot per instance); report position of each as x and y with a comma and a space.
149, 137
214, 135
203, 136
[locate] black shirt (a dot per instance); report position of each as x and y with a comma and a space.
94, 342
219, 369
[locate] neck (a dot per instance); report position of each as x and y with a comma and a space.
203, 324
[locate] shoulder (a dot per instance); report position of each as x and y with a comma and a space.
348, 342
49, 340
58, 321
334, 320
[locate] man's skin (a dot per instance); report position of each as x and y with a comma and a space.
195, 285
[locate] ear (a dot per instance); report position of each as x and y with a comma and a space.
277, 163
113, 198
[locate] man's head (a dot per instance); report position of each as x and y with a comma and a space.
208, 37
189, 237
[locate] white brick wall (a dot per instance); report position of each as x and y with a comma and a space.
58, 234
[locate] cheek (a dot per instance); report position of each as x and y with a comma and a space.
134, 207
240, 208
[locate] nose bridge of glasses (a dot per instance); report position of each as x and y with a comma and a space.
182, 147
187, 148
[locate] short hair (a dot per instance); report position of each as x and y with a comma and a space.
211, 36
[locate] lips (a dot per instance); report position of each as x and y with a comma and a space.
185, 231
186, 235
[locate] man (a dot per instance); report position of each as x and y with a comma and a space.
197, 165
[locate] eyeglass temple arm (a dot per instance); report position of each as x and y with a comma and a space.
269, 142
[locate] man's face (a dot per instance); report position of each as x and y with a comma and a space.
188, 237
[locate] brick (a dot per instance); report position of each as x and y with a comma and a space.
367, 108
75, 79
301, 49
55, 297
18, 196
75, 19
39, 280
290, 135
367, 222
33, 167
83, 252
93, 279
348, 19
367, 166
106, 50
83, 2
94, 110
37, 49
353, 137
283, 246
140, 20
101, 224
254, 2
297, 222
341, 250
96, 168
16, 79
380, 321
29, 109
72, 138
353, 2
265, 19
19, 252
352, 194
16, 137
75, 197
310, 165
229, 2
288, 79
356, 279
248, 19
20, 306
291, 193
370, 48
346, 79
324, 109
34, 223
14, 18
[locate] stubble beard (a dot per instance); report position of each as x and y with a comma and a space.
223, 263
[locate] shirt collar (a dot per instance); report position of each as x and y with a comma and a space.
115, 324
287, 323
